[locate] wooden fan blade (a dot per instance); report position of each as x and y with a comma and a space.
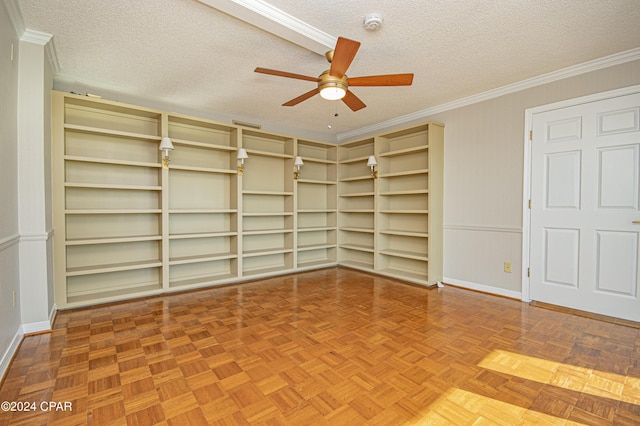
382, 80
353, 101
343, 55
303, 97
285, 74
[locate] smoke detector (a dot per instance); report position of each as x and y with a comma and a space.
372, 22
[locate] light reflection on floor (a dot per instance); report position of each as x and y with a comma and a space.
579, 379
460, 407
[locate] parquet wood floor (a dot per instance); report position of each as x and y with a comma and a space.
327, 347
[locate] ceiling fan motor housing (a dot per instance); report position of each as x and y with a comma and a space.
328, 80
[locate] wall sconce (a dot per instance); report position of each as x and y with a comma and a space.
297, 163
372, 163
242, 155
165, 145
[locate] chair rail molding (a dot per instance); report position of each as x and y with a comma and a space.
483, 228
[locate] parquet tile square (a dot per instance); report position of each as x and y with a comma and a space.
146, 416
310, 387
234, 381
287, 399
141, 401
327, 347
190, 417
345, 415
218, 409
261, 412
181, 405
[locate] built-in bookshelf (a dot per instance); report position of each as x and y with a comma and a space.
267, 204
108, 200
127, 225
202, 203
316, 205
356, 205
409, 222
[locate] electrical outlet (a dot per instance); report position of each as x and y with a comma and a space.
507, 267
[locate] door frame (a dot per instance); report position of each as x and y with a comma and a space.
527, 169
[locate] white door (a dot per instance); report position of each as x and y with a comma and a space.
585, 211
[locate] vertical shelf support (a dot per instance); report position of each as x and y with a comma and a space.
165, 145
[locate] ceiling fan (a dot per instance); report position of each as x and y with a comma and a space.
333, 84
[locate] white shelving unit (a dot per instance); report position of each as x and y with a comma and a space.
410, 187
107, 201
356, 206
316, 214
202, 203
267, 204
126, 227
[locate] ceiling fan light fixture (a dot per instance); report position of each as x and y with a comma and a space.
332, 88
332, 93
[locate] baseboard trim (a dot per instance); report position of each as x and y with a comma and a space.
41, 326
52, 315
36, 327
8, 355
483, 288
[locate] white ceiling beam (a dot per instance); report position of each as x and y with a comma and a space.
273, 20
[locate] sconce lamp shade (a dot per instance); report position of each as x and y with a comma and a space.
297, 163
165, 144
372, 163
242, 154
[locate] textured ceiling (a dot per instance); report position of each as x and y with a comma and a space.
192, 57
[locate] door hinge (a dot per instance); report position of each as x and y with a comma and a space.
530, 135
529, 272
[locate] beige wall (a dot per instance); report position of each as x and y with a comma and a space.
26, 250
484, 155
10, 321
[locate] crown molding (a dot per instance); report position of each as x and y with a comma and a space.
422, 115
36, 37
45, 40
32, 36
52, 55
275, 21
